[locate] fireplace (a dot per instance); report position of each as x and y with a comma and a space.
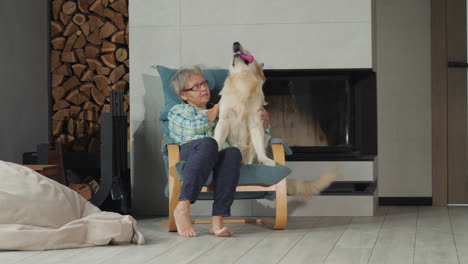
324, 114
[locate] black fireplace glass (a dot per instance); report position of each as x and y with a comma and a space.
323, 114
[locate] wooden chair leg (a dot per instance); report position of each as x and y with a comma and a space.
174, 193
281, 219
174, 186
281, 211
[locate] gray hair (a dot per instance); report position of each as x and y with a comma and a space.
180, 78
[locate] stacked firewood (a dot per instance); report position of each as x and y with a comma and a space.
89, 58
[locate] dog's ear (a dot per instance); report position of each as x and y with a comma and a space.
260, 71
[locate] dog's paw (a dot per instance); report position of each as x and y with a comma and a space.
268, 162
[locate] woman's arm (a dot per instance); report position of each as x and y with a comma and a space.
213, 113
184, 123
265, 118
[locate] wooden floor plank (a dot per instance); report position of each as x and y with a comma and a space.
348, 256
459, 220
229, 250
275, 246
315, 246
7, 257
362, 232
192, 248
434, 237
395, 235
52, 256
158, 241
357, 241
396, 239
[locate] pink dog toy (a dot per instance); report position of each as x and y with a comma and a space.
249, 58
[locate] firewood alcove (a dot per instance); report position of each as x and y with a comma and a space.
88, 59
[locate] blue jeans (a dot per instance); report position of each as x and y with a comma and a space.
201, 158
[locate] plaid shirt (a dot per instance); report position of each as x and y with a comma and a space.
187, 123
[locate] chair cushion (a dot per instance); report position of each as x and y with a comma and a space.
250, 174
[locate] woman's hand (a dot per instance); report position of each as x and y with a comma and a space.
213, 113
265, 118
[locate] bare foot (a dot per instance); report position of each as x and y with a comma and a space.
223, 232
218, 229
182, 219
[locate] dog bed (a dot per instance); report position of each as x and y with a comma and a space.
37, 213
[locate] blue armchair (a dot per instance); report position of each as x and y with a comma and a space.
256, 180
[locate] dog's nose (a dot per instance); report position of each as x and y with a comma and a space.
236, 47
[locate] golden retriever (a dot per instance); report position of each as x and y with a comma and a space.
239, 116
240, 123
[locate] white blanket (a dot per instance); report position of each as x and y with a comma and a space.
37, 213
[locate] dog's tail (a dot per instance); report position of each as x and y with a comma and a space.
308, 188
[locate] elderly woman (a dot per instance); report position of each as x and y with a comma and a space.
192, 124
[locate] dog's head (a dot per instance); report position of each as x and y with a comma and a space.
241, 64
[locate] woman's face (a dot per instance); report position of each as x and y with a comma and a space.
196, 92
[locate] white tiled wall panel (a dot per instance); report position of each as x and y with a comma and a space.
246, 12
150, 46
282, 46
145, 13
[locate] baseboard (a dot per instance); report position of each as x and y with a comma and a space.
411, 201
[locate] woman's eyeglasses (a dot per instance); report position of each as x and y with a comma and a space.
197, 86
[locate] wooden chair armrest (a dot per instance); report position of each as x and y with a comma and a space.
278, 153
173, 154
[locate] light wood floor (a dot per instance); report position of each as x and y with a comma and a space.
396, 235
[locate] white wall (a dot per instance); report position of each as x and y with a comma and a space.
282, 34
23, 73
404, 98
